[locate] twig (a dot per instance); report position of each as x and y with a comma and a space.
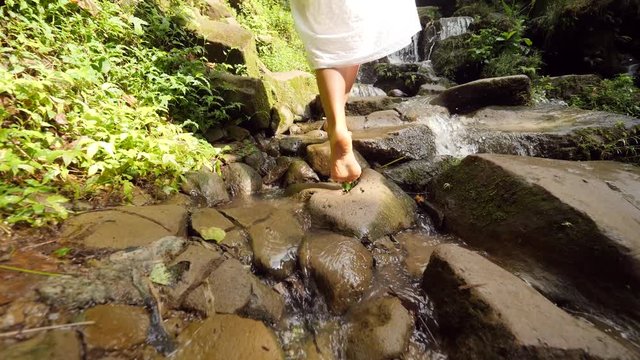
34, 272
38, 245
52, 327
394, 161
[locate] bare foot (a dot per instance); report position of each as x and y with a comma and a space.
344, 166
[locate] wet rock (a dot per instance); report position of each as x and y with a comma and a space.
508, 90
194, 265
241, 179
413, 176
373, 208
275, 242
117, 327
387, 144
319, 347
282, 165
236, 243
247, 215
310, 126
319, 157
485, 312
380, 329
405, 78
237, 133
228, 337
362, 106
235, 290
111, 280
52, 345
300, 172
125, 226
178, 199
580, 219
23, 313
297, 145
205, 218
340, 266
418, 248
396, 93
260, 162
365, 90
206, 185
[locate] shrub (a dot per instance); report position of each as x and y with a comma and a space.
619, 95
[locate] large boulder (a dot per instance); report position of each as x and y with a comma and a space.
380, 329
125, 226
300, 172
581, 219
252, 95
291, 93
508, 90
341, 267
414, 176
241, 179
373, 208
227, 43
386, 144
228, 337
362, 106
484, 312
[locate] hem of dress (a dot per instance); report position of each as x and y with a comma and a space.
365, 59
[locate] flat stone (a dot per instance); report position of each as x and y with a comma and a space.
362, 106
483, 309
206, 186
319, 157
228, 337
373, 208
382, 119
241, 179
418, 248
236, 243
508, 90
52, 345
117, 327
418, 108
380, 329
204, 218
581, 219
275, 242
247, 215
198, 261
235, 290
280, 169
300, 172
431, 89
386, 144
125, 226
341, 267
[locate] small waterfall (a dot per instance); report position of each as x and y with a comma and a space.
451, 136
454, 26
409, 54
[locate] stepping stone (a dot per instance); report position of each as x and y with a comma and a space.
485, 312
386, 144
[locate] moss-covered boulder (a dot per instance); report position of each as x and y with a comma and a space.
250, 94
290, 94
227, 43
580, 220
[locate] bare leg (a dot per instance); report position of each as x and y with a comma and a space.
334, 86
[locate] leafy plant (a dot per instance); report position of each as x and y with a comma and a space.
619, 95
94, 101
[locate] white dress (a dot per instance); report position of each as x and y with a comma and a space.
349, 32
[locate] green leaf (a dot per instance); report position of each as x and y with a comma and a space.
161, 275
61, 252
213, 234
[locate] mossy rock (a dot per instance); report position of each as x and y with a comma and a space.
290, 94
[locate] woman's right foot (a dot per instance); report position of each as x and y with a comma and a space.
344, 166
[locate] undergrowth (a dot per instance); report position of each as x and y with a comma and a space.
618, 95
279, 45
94, 99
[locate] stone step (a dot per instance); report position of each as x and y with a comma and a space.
485, 312
580, 220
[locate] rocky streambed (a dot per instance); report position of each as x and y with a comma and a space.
438, 252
